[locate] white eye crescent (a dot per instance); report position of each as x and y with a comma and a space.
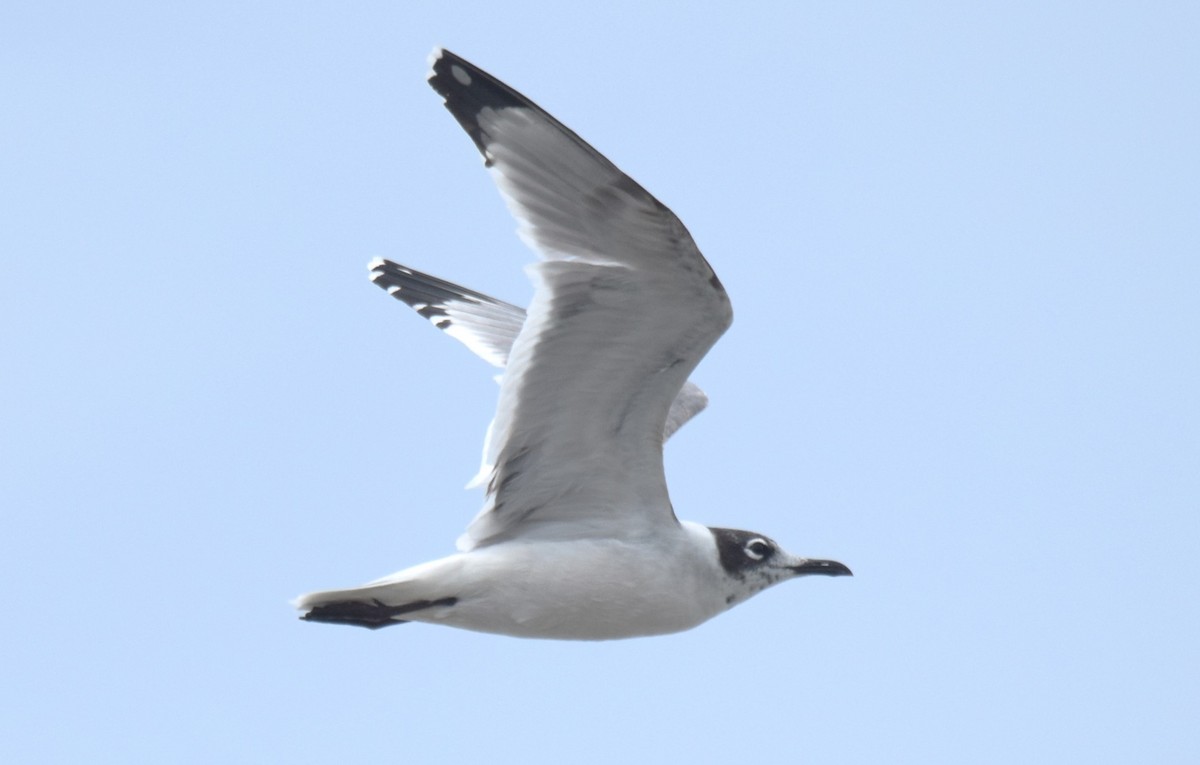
757, 549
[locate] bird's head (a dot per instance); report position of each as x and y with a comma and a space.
752, 562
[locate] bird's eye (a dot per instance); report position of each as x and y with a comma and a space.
758, 549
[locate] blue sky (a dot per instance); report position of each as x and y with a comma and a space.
963, 247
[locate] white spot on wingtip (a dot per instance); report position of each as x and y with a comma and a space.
431, 61
460, 74
375, 263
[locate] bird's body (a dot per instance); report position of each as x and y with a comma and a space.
578, 538
575, 589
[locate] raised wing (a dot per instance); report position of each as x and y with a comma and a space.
489, 326
482, 323
624, 307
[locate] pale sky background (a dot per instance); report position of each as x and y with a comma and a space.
963, 247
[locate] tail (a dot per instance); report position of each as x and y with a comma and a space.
363, 606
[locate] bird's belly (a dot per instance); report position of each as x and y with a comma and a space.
597, 590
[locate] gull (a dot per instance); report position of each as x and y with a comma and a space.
577, 538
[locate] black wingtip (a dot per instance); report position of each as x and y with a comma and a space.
416, 287
468, 90
461, 82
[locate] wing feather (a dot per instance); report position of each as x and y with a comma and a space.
488, 326
624, 308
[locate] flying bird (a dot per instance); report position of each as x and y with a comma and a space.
577, 538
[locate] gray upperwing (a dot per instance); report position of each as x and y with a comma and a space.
488, 326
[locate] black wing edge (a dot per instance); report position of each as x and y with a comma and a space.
427, 295
468, 90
